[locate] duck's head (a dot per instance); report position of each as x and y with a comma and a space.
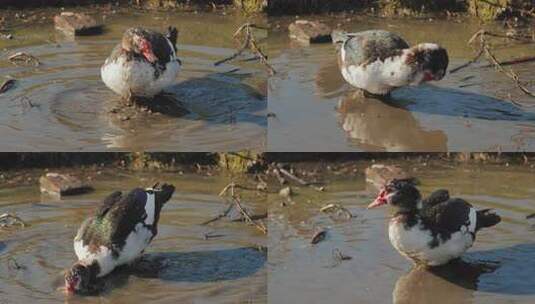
78, 278
432, 61
135, 40
162, 192
399, 193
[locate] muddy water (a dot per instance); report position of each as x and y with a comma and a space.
227, 103
224, 269
317, 111
498, 268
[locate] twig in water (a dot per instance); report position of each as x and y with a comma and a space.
248, 217
339, 256
513, 61
248, 42
473, 60
211, 235
219, 216
299, 180
229, 186
492, 59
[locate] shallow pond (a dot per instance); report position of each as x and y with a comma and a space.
71, 105
499, 267
466, 111
226, 268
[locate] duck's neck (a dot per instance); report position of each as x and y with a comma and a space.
412, 209
93, 267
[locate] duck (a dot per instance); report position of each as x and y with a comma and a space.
378, 61
117, 234
432, 231
143, 64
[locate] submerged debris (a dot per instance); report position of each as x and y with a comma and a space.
338, 209
10, 220
318, 236
14, 265
24, 59
339, 256
8, 84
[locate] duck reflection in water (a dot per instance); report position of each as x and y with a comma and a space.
450, 283
376, 125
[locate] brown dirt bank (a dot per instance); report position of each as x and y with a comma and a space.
484, 9
34, 3
236, 161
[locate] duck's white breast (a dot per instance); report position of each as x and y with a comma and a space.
136, 77
414, 243
103, 256
135, 244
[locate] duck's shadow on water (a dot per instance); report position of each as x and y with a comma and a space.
221, 98
194, 267
430, 99
218, 98
507, 271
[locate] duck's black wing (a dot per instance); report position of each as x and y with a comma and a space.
450, 216
437, 197
366, 47
114, 220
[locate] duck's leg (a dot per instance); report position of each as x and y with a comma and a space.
129, 99
358, 93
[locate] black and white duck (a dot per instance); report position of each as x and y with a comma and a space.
431, 231
143, 64
378, 61
117, 234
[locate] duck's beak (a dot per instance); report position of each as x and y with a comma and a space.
146, 49
380, 200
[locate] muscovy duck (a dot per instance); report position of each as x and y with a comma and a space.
378, 61
143, 64
117, 234
432, 231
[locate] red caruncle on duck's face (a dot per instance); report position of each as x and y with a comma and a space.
144, 47
72, 282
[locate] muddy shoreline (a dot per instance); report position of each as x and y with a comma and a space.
26, 168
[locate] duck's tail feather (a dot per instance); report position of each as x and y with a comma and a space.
339, 37
172, 35
486, 218
163, 193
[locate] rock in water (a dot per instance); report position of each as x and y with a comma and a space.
62, 184
310, 31
379, 175
75, 24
